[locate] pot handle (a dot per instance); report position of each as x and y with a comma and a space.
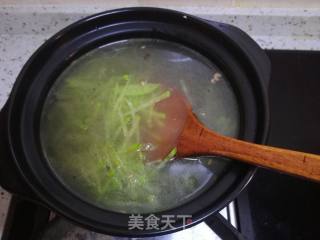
10, 178
223, 228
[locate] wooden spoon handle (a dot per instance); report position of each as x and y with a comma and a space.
201, 141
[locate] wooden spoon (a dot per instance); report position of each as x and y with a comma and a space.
192, 138
195, 139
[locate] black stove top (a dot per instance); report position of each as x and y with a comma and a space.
276, 206
273, 206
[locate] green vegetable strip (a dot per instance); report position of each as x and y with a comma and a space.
107, 116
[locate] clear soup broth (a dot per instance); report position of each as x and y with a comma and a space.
100, 108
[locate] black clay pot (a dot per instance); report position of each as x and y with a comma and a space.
25, 171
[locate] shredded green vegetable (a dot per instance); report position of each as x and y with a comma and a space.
103, 137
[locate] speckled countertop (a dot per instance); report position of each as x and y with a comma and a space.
4, 204
24, 27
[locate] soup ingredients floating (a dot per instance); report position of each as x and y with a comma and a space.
107, 132
114, 140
